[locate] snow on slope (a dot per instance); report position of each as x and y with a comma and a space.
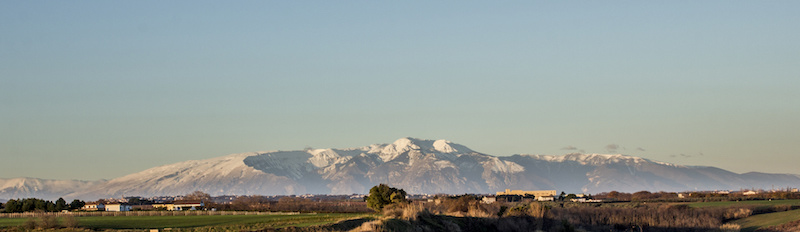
443, 148
419, 166
40, 188
217, 176
340, 171
590, 159
498, 165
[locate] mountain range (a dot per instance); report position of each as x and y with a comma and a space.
419, 166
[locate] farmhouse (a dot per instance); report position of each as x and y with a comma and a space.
545, 198
585, 200
180, 205
117, 207
749, 193
94, 207
537, 193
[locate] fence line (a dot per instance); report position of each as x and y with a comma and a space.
139, 213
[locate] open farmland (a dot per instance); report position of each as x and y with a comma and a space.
11, 222
221, 222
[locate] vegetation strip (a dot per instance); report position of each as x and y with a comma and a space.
144, 222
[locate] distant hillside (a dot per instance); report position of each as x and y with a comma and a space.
416, 165
40, 188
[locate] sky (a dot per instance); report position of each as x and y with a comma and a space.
101, 89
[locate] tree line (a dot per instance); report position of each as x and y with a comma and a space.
291, 204
35, 204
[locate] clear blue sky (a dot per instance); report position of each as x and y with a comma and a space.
100, 89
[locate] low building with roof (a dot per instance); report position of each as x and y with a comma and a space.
94, 206
535, 193
117, 207
181, 205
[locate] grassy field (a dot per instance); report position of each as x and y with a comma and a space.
770, 219
9, 222
225, 221
744, 203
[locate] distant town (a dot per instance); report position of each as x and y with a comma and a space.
538, 209
355, 202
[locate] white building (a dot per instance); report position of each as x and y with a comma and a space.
118, 207
545, 198
750, 192
181, 205
94, 207
584, 200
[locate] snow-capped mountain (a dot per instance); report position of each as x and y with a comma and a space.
419, 166
40, 188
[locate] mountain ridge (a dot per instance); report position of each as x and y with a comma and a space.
416, 165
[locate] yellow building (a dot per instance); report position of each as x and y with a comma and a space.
537, 194
180, 205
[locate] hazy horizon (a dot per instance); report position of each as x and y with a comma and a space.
97, 90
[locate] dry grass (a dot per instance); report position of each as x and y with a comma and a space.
462, 214
376, 225
730, 227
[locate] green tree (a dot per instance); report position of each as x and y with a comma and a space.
50, 206
397, 197
39, 204
13, 206
28, 204
61, 204
382, 195
76, 204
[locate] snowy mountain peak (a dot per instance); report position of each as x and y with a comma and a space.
401, 145
40, 188
420, 166
421, 146
443, 146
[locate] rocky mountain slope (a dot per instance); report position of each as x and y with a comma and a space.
418, 166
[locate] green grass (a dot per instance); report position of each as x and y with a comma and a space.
10, 222
231, 221
770, 219
744, 203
